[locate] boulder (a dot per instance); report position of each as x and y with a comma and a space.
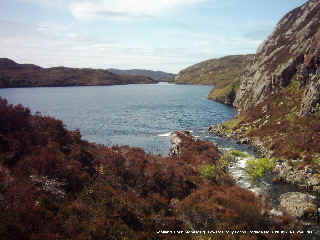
298, 204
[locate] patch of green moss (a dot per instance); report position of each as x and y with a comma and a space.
316, 161
259, 167
208, 171
233, 123
238, 153
229, 131
230, 156
225, 93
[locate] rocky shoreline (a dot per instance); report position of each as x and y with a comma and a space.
298, 204
305, 178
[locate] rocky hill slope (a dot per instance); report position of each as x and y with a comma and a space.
279, 95
13, 74
159, 76
223, 73
290, 55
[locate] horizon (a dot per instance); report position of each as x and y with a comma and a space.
161, 35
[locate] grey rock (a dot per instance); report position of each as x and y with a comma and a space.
313, 180
291, 51
298, 204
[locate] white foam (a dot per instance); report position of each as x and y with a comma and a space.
164, 134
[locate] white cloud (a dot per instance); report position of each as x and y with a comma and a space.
124, 9
51, 45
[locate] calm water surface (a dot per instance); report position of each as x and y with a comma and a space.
136, 115
143, 116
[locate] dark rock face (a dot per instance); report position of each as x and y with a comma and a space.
291, 53
13, 74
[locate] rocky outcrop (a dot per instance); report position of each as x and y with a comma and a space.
306, 177
52, 186
298, 204
290, 54
13, 74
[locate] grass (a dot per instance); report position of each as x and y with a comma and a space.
237, 153
208, 171
231, 156
231, 124
259, 167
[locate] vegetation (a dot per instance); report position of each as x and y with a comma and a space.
218, 72
54, 185
156, 75
13, 74
237, 153
232, 123
223, 73
225, 92
208, 171
259, 167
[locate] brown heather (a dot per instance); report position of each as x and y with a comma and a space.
53, 185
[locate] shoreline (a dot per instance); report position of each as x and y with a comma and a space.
306, 178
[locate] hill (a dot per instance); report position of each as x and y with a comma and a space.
279, 95
156, 75
54, 185
13, 74
223, 73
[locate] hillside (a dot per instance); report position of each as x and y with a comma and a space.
279, 95
54, 185
13, 74
159, 76
223, 73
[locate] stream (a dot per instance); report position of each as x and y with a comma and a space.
265, 186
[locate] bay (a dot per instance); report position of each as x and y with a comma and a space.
140, 115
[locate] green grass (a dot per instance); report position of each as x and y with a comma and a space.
316, 161
208, 171
231, 124
237, 153
231, 156
259, 167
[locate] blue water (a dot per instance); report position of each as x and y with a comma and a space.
136, 115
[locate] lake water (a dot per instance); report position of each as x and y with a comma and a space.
143, 116
137, 115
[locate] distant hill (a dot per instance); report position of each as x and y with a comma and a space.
223, 73
156, 75
13, 74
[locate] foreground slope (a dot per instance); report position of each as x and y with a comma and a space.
53, 185
13, 74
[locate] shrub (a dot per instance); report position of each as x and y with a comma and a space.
233, 123
231, 156
238, 153
208, 171
259, 167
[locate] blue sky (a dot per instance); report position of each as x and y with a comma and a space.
166, 35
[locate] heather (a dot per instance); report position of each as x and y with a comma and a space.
54, 185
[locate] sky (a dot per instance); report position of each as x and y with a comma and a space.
166, 35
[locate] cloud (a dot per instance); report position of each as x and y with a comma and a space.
50, 45
50, 3
125, 9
